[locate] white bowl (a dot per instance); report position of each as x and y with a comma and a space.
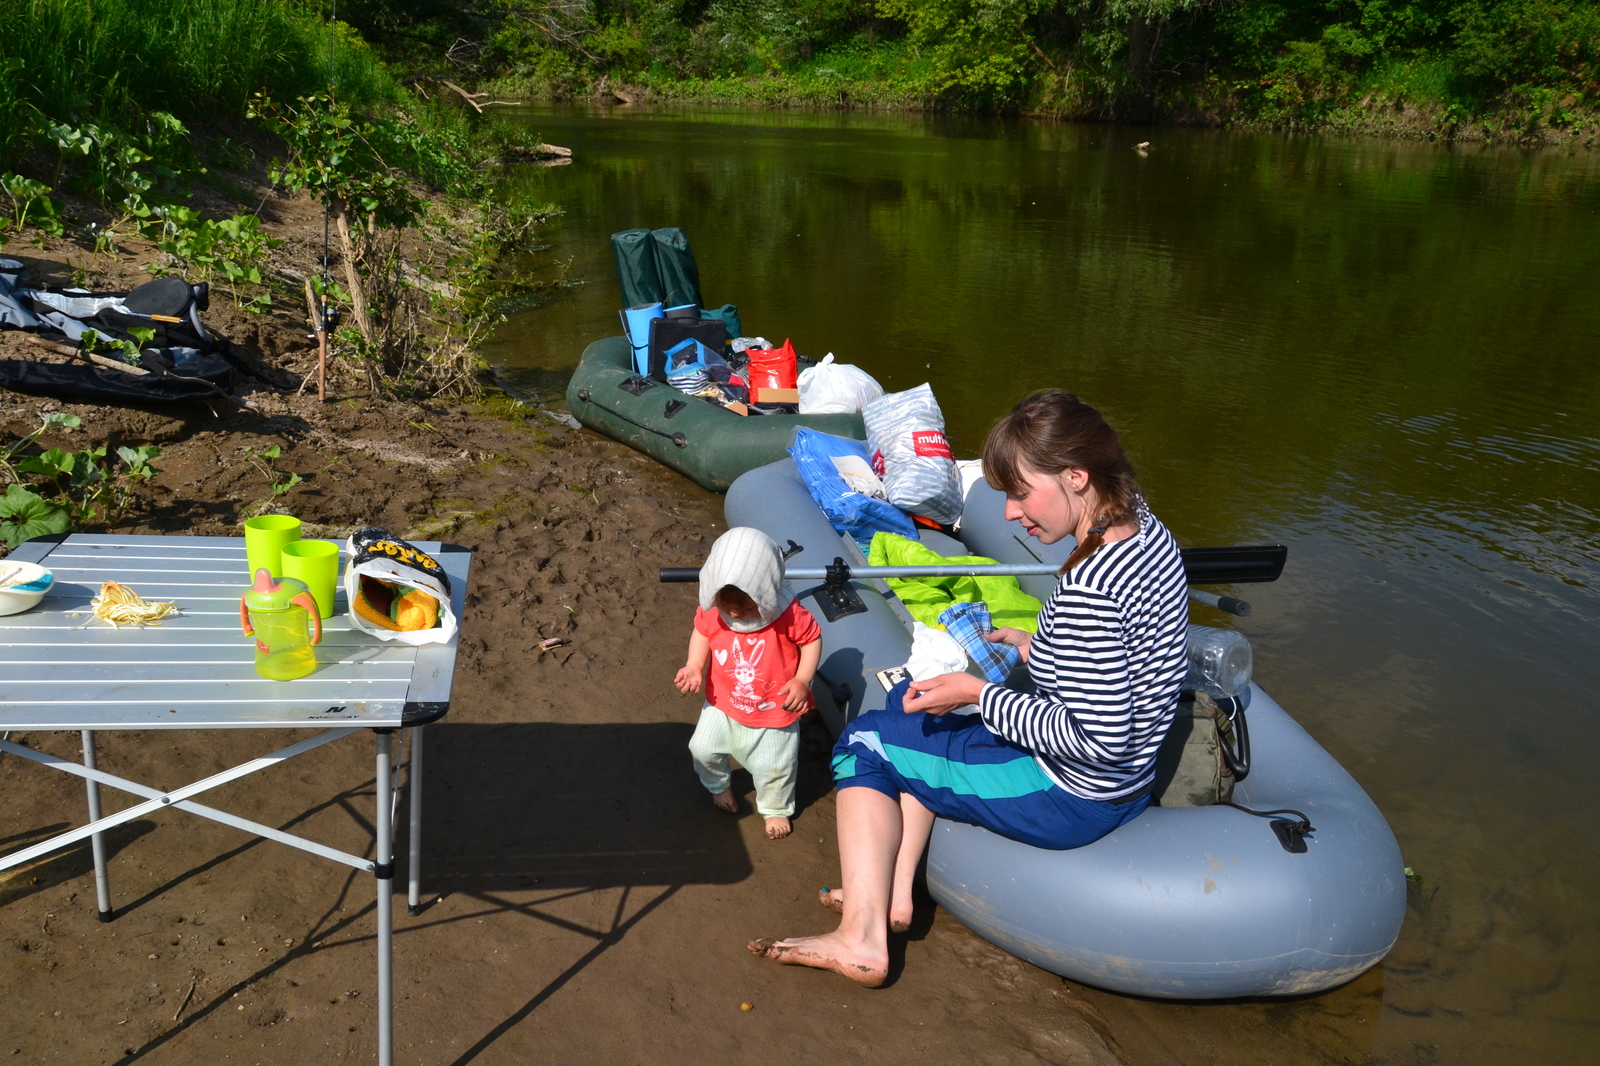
25, 585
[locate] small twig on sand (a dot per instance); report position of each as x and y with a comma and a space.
185, 1002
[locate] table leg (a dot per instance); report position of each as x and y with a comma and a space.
385, 878
97, 843
414, 840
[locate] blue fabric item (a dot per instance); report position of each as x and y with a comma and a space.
968, 623
853, 514
958, 769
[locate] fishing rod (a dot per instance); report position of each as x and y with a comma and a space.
1212, 566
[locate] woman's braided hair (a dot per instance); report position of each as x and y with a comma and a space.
1051, 431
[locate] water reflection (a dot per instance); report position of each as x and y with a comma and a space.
1380, 354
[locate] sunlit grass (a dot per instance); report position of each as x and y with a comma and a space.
102, 60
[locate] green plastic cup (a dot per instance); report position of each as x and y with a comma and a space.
264, 538
316, 562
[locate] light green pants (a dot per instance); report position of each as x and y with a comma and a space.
771, 755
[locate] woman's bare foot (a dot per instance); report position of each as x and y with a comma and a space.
833, 899
726, 801
825, 953
778, 828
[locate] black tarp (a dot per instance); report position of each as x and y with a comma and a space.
184, 362
83, 383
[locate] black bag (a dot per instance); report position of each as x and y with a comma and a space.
667, 333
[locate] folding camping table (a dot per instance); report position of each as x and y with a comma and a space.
197, 671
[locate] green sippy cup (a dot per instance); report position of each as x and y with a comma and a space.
276, 612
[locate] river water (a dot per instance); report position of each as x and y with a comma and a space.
1383, 355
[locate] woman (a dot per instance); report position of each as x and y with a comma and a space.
1059, 769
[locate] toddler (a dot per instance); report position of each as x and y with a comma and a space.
755, 651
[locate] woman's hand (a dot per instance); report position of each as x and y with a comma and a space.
795, 694
943, 694
1020, 639
688, 679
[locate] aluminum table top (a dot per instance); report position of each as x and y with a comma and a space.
197, 670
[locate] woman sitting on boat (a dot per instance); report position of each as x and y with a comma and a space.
1058, 769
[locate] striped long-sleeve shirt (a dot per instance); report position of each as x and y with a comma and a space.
1107, 662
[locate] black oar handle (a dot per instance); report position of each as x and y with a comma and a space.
680, 573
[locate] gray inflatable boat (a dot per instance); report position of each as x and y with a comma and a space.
1180, 903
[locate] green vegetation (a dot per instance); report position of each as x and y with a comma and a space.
99, 100
72, 488
1496, 68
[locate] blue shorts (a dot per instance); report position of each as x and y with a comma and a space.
958, 769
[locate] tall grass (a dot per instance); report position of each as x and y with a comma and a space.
107, 60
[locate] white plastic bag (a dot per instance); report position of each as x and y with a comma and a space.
836, 388
905, 434
374, 553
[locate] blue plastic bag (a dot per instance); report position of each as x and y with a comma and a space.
852, 513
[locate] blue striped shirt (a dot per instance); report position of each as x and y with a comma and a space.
1107, 663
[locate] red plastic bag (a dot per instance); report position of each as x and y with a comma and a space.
774, 369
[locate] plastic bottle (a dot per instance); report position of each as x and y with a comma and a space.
276, 611
1220, 661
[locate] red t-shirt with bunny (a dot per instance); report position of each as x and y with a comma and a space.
748, 670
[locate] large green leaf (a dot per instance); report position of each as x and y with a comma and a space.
25, 515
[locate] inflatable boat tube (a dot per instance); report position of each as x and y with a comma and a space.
1180, 903
704, 442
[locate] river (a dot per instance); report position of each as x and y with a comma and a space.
1383, 355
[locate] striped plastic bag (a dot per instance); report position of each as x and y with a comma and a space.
905, 434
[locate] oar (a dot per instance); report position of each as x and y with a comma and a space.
1207, 566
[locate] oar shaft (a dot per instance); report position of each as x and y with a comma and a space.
819, 573
1231, 604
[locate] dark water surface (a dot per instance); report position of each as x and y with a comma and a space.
1384, 355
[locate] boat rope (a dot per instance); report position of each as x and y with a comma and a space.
1290, 834
677, 438
1233, 736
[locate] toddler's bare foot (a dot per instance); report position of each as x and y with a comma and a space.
829, 952
778, 828
899, 917
726, 801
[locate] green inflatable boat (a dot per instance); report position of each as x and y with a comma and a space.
704, 442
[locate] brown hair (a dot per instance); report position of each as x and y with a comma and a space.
735, 597
1051, 431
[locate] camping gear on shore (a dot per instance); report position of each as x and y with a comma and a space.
905, 434
178, 361
835, 388
275, 611
1183, 902
706, 443
396, 591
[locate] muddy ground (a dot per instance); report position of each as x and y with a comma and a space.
586, 903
